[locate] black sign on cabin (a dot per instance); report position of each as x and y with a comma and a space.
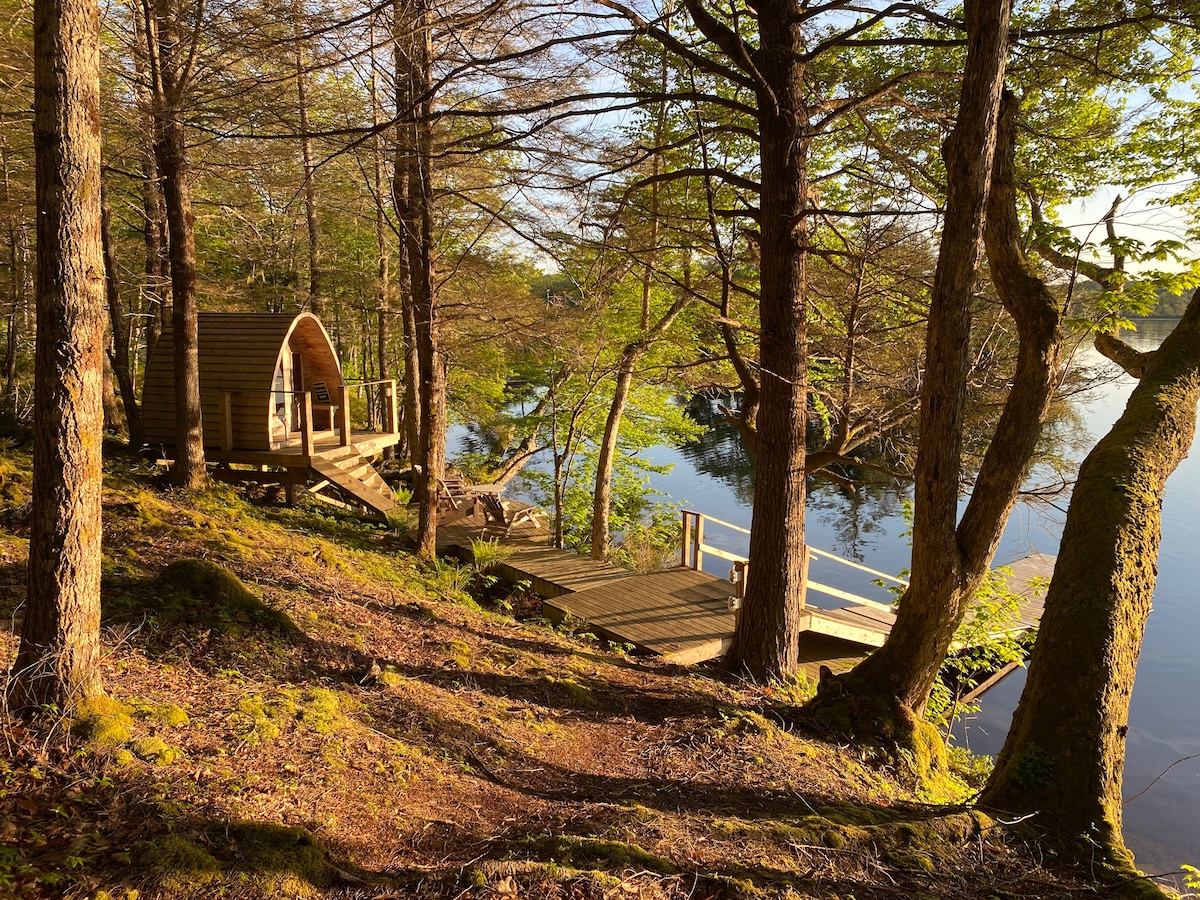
320, 392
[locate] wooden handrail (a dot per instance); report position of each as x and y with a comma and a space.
715, 521
693, 548
391, 417
854, 565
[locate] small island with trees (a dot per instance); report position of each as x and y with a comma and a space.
258, 261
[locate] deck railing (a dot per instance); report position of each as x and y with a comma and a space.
693, 548
382, 413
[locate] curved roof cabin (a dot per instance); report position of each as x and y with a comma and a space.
264, 362
272, 394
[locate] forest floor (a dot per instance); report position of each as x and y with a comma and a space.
341, 722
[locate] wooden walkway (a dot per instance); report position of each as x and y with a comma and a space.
683, 614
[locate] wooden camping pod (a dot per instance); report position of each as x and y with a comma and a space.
262, 362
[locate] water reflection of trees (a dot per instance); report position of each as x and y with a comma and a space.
719, 452
857, 519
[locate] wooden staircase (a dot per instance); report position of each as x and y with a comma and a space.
345, 471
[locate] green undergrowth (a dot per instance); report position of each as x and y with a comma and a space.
258, 859
262, 719
123, 731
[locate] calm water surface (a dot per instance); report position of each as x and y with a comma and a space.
1162, 825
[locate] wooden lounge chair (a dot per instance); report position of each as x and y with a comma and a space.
456, 500
495, 513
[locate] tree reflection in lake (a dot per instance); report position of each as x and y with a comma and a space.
719, 452
859, 520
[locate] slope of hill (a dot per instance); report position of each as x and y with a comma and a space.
300, 710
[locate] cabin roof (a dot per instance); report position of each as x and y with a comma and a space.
238, 353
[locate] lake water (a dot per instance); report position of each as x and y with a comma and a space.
1162, 826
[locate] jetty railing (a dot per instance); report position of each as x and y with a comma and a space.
693, 549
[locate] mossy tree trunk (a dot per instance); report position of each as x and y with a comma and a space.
58, 660
1066, 749
950, 559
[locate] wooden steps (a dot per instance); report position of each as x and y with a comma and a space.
352, 473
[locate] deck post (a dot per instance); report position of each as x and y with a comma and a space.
805, 559
226, 421
393, 416
343, 415
685, 539
697, 540
306, 424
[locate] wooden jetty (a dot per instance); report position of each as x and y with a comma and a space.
687, 615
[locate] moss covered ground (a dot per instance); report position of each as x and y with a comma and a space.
298, 709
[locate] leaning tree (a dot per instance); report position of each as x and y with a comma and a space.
1065, 752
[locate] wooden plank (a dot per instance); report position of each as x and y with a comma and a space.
682, 613
368, 495
822, 622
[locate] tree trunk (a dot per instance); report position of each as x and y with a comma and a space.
158, 266
114, 418
315, 303
8, 405
431, 364
170, 151
766, 645
607, 451
120, 330
1065, 751
382, 286
157, 289
58, 663
602, 495
414, 195
945, 573
401, 189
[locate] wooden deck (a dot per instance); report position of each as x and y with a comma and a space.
683, 614
324, 444
870, 625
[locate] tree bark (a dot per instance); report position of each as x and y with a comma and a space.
315, 303
766, 644
170, 151
1065, 751
402, 38
945, 571
16, 297
58, 663
383, 282
157, 289
415, 154
120, 329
